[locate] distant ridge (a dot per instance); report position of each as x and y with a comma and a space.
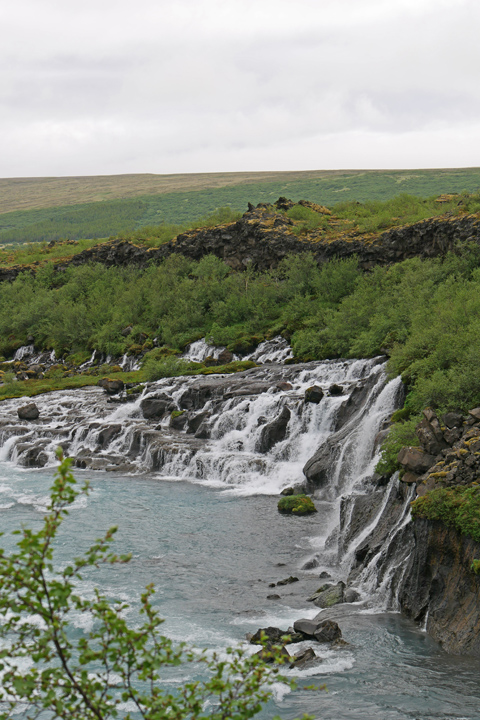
42, 192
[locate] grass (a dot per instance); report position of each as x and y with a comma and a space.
36, 209
30, 388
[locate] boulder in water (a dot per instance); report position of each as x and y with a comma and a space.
273, 432
327, 631
332, 595
107, 434
178, 419
35, 457
304, 658
155, 406
335, 390
28, 412
314, 394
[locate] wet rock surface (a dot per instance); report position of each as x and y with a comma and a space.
440, 589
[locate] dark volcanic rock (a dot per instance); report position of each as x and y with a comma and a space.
107, 434
439, 581
314, 394
327, 631
155, 406
273, 432
304, 658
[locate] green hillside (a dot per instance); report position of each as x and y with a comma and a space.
123, 215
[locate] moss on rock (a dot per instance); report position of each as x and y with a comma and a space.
296, 505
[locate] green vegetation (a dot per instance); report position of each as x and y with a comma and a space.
457, 507
126, 214
476, 567
296, 504
400, 435
90, 675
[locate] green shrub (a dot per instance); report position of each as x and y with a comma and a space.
166, 367
297, 505
399, 435
457, 507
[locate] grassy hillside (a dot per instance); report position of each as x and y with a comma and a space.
44, 209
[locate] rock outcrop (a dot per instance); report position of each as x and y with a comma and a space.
440, 590
264, 236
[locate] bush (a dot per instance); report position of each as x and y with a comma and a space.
399, 435
296, 504
93, 676
457, 507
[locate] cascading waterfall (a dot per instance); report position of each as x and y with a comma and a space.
249, 433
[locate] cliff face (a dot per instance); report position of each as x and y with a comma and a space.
264, 236
440, 587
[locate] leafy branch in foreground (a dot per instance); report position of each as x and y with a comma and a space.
112, 670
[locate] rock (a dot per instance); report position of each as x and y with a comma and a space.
351, 596
274, 596
178, 419
335, 390
327, 631
126, 331
288, 491
314, 394
415, 459
303, 659
107, 434
440, 586
285, 386
331, 596
194, 422
430, 434
451, 435
268, 636
112, 387
28, 412
273, 432
306, 627
409, 477
475, 413
34, 457
453, 419
203, 432
155, 406
225, 357
288, 581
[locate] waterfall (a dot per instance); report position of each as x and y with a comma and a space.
248, 433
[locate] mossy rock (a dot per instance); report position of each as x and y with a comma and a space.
296, 505
177, 413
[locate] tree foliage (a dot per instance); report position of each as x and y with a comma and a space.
113, 670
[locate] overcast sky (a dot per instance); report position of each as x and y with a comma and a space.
172, 86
